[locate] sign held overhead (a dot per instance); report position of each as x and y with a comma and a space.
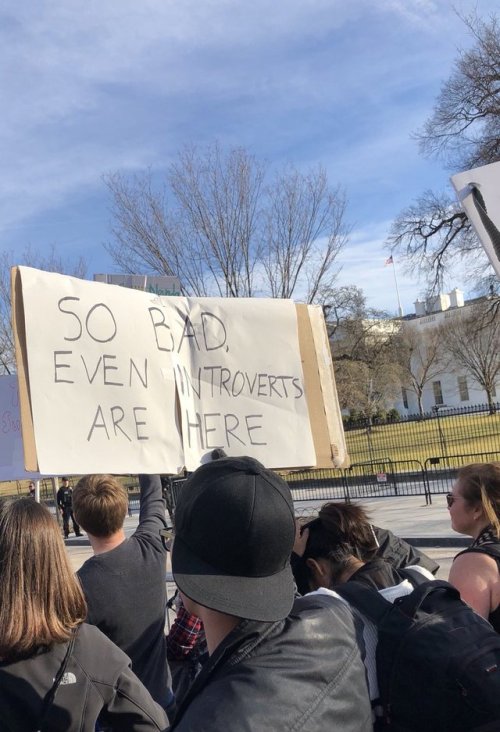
117, 380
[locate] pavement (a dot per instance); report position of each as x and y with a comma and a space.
425, 526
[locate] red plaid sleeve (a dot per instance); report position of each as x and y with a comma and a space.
185, 633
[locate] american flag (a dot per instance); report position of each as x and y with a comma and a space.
390, 260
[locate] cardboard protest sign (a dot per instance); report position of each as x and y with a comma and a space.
122, 381
11, 443
478, 191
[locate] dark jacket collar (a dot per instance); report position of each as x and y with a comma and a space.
238, 644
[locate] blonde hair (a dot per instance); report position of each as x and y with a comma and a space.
480, 483
42, 601
100, 504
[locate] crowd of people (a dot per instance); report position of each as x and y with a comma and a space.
267, 635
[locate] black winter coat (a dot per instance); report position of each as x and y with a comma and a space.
303, 673
98, 679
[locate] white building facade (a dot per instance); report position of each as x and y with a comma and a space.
454, 386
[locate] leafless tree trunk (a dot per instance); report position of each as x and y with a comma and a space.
422, 358
474, 343
217, 226
363, 342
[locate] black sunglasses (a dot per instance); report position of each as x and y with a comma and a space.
450, 499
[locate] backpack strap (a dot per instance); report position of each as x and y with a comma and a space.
415, 599
371, 603
415, 577
365, 599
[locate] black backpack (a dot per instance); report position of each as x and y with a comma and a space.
438, 662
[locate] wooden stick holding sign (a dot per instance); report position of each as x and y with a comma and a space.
123, 381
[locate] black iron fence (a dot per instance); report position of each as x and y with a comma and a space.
444, 431
384, 478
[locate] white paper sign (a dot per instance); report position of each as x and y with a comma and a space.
478, 191
102, 393
106, 365
240, 383
11, 443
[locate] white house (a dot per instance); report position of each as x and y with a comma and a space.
453, 386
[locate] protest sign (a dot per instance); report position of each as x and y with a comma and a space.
100, 393
122, 381
240, 381
11, 443
478, 191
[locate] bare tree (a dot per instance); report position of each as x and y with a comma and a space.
216, 224
464, 132
366, 387
304, 232
473, 341
217, 198
51, 262
422, 358
464, 128
432, 233
363, 342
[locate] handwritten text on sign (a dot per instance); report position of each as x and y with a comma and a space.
105, 364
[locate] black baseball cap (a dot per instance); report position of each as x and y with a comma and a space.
234, 533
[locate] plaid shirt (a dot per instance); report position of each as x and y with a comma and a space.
186, 637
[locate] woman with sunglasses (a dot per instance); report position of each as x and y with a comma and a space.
474, 506
56, 672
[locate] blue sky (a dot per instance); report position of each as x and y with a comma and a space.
91, 88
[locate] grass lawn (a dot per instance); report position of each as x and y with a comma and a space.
447, 436
410, 444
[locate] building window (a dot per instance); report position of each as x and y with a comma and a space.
438, 394
405, 397
463, 389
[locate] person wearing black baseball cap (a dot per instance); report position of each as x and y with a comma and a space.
273, 663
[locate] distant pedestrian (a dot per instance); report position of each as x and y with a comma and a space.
31, 488
65, 505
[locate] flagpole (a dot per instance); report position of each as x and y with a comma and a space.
400, 309
390, 260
